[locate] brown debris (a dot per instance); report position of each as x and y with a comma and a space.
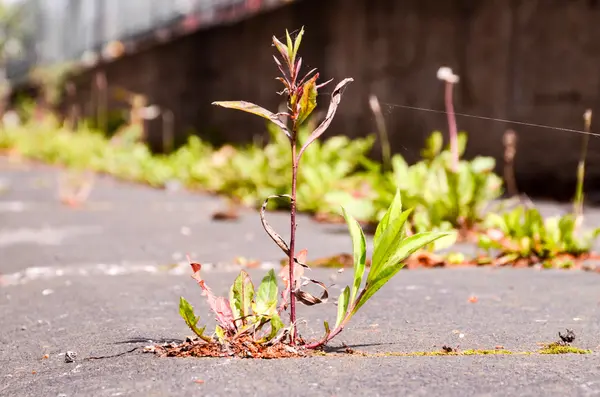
424, 259
243, 347
230, 214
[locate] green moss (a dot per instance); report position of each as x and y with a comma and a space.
551, 348
438, 353
557, 348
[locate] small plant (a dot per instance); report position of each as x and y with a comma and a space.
246, 313
523, 236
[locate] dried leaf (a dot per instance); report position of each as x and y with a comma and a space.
309, 299
219, 305
271, 232
249, 107
284, 275
336, 97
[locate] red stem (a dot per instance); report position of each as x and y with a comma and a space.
293, 238
452, 129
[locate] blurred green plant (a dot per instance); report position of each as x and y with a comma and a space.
522, 235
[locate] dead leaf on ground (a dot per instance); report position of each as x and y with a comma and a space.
230, 214
243, 347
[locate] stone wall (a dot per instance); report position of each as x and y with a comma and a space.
536, 61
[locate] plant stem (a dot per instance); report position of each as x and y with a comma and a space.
293, 237
578, 204
510, 150
452, 129
386, 152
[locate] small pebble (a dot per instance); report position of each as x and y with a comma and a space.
70, 356
47, 292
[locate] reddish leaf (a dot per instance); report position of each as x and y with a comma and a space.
283, 50
219, 305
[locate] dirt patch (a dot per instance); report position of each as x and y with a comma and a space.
243, 347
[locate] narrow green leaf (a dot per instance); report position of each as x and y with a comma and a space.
297, 43
266, 296
377, 280
327, 329
186, 311
359, 246
276, 326
342, 306
252, 108
398, 251
393, 211
389, 241
290, 46
241, 295
308, 101
461, 140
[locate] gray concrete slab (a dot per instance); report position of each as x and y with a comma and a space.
92, 281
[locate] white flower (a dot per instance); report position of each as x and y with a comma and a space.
445, 74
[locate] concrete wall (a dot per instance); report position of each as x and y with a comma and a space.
531, 60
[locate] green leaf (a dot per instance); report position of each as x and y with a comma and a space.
360, 251
241, 295
290, 46
394, 211
186, 311
220, 332
342, 306
297, 43
461, 141
266, 296
389, 241
376, 280
252, 108
483, 164
308, 101
433, 145
276, 326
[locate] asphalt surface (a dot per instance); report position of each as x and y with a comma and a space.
105, 279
